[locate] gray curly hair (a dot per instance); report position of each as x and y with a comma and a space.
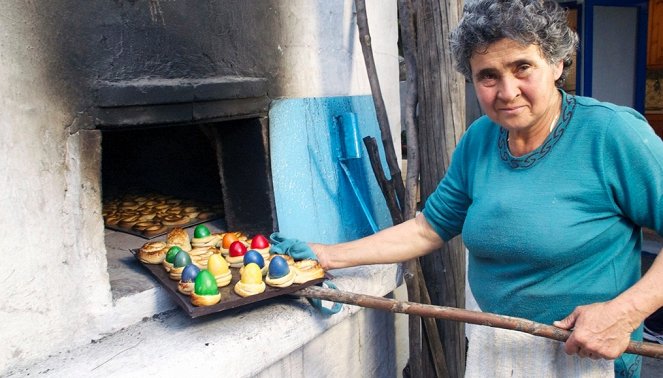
539, 22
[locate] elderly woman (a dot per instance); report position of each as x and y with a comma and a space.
549, 192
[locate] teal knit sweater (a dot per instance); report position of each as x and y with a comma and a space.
560, 226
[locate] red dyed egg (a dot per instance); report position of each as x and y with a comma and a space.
259, 242
237, 248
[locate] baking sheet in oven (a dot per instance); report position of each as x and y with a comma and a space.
168, 229
229, 299
158, 206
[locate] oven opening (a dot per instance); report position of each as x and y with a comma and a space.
157, 178
174, 162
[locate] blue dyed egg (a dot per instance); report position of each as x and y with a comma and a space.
278, 267
189, 273
254, 256
182, 259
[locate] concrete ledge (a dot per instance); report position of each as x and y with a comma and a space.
153, 91
242, 342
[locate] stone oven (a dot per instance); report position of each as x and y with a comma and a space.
228, 102
203, 140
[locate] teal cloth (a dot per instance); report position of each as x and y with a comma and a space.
558, 227
317, 303
300, 250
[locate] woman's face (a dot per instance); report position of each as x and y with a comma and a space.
515, 85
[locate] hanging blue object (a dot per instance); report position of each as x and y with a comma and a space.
350, 149
349, 135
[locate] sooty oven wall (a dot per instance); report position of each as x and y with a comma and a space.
92, 44
175, 68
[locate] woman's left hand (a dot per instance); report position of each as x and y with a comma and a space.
599, 330
603, 329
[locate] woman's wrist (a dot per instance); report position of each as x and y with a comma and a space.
631, 309
320, 251
645, 297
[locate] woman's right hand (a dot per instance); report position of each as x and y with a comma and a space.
319, 250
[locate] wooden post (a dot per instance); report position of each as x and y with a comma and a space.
409, 99
400, 207
380, 109
441, 123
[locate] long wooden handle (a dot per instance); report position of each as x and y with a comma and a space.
462, 315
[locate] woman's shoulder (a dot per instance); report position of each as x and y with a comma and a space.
479, 135
480, 128
589, 106
606, 117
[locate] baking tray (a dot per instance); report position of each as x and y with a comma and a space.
111, 205
131, 231
229, 299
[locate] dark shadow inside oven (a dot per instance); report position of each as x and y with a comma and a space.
176, 161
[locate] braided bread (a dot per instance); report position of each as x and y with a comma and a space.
307, 270
153, 252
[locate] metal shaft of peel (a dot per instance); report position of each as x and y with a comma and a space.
462, 315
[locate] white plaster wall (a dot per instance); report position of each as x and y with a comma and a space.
321, 54
54, 279
614, 63
56, 292
361, 346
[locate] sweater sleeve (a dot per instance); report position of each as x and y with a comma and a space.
633, 169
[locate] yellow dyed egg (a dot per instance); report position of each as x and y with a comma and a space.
251, 274
217, 265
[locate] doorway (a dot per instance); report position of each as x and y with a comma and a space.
613, 39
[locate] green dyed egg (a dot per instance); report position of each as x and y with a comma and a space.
205, 283
182, 259
201, 231
172, 252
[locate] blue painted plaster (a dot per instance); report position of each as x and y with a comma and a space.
314, 199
